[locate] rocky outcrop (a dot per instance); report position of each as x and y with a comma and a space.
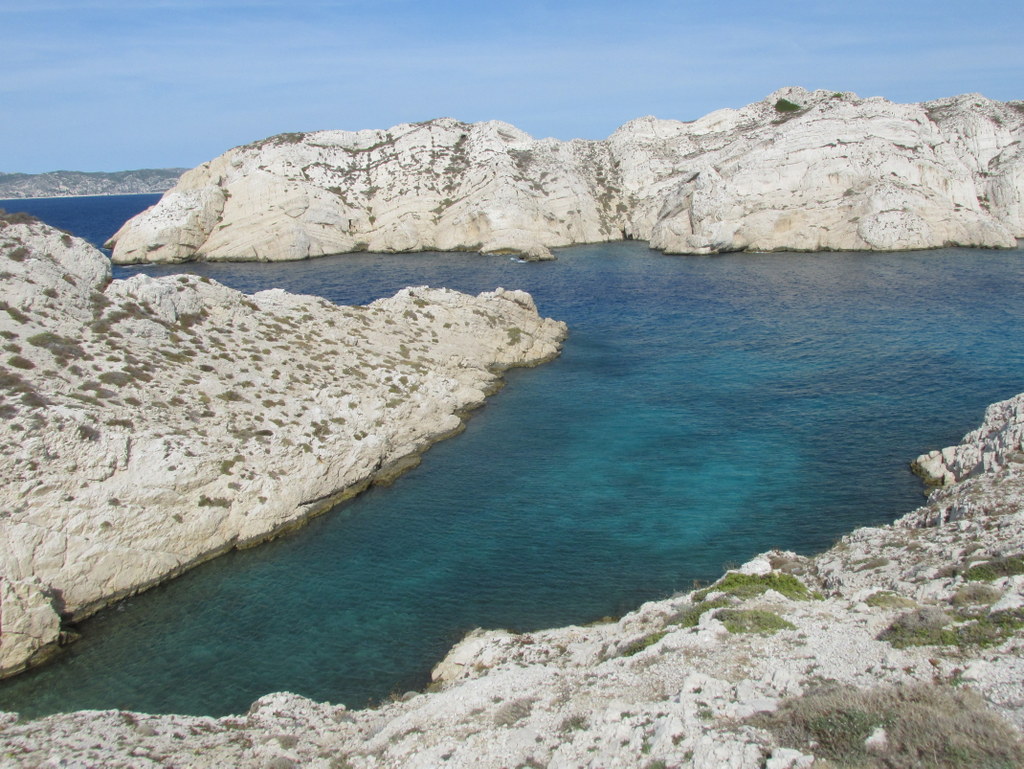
902, 645
801, 170
150, 424
55, 184
997, 443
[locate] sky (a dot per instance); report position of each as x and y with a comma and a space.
110, 85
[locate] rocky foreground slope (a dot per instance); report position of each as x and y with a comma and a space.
55, 184
801, 170
901, 646
150, 424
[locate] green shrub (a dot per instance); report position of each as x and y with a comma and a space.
753, 621
930, 627
996, 568
17, 217
115, 378
974, 594
19, 362
745, 586
205, 501
16, 315
690, 616
58, 346
574, 724
923, 627
785, 105
639, 645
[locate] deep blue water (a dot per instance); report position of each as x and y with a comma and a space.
93, 217
704, 409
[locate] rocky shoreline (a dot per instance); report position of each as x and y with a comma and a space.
799, 171
902, 645
152, 424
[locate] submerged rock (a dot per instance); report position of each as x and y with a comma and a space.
151, 424
830, 171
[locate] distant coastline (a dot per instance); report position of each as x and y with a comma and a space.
63, 184
71, 197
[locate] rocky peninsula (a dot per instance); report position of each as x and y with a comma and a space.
151, 424
56, 184
901, 646
800, 170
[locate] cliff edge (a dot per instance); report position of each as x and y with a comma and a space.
800, 170
150, 424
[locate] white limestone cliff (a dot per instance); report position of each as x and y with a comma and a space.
997, 443
150, 424
838, 173
902, 645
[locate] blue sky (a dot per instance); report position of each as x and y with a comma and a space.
119, 84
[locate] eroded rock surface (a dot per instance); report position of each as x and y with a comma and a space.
838, 172
150, 424
901, 641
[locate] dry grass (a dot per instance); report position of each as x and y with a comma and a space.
926, 727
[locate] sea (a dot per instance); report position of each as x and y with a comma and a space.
704, 409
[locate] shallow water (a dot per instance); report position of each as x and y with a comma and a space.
704, 409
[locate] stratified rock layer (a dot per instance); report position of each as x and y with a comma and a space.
837, 173
150, 424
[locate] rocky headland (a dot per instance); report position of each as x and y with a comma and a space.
55, 184
800, 170
901, 646
151, 424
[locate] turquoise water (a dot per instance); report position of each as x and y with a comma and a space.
704, 409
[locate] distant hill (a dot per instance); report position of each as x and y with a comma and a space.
71, 183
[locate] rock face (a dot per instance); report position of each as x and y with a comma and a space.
150, 424
993, 446
901, 644
801, 170
71, 183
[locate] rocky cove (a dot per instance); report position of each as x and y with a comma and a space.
909, 618
151, 424
899, 646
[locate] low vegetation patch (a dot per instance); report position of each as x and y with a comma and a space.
926, 726
753, 621
886, 599
785, 105
639, 645
975, 594
513, 712
205, 501
690, 616
996, 568
933, 627
745, 586
17, 217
